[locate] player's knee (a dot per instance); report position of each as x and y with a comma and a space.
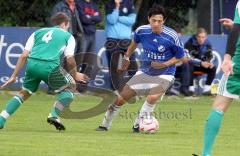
23, 94
66, 97
152, 99
222, 103
120, 101
127, 95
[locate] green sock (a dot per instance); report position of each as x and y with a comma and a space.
212, 127
55, 110
63, 100
2, 122
11, 107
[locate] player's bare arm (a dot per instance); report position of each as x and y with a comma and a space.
227, 22
126, 60
20, 63
162, 65
227, 67
76, 75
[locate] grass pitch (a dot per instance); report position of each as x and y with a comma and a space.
27, 133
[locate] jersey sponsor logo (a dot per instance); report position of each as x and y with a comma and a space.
155, 40
155, 56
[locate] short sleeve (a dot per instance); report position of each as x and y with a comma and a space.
69, 50
179, 51
30, 43
136, 37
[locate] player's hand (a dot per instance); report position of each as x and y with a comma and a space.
227, 22
227, 67
185, 59
10, 81
124, 66
81, 77
117, 3
158, 65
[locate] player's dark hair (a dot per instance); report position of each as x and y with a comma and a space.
60, 18
157, 10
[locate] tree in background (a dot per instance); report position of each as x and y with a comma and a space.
25, 13
176, 11
36, 13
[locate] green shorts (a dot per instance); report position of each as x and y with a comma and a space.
52, 74
230, 86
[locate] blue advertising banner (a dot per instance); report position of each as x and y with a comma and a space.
13, 39
12, 42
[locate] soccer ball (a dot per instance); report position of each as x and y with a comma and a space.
148, 125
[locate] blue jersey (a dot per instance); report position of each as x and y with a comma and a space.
158, 47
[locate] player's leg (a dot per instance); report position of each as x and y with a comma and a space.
30, 85
213, 123
64, 99
64, 84
13, 105
158, 88
126, 94
220, 106
146, 110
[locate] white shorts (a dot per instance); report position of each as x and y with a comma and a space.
222, 88
142, 83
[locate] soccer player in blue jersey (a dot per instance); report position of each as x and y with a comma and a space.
161, 51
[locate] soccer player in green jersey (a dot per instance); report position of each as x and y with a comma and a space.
229, 87
42, 53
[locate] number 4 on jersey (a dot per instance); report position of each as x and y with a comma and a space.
48, 36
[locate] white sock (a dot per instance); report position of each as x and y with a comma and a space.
136, 122
145, 112
111, 112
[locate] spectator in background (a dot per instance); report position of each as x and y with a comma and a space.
76, 29
180, 74
120, 16
90, 16
200, 50
182, 70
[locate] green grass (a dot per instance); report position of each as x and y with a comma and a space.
26, 133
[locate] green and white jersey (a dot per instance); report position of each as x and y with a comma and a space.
237, 13
229, 85
48, 44
236, 57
